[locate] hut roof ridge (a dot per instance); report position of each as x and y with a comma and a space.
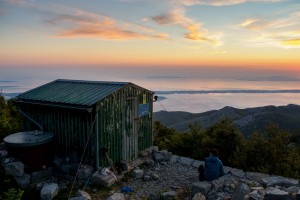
73, 92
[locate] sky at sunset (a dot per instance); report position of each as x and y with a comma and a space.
226, 35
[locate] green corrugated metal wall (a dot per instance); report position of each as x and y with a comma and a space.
125, 134
120, 129
71, 129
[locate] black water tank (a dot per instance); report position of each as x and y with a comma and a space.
33, 148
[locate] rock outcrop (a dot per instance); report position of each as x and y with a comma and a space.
177, 178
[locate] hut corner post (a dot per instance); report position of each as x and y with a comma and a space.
97, 139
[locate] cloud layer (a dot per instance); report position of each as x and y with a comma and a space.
77, 23
220, 2
280, 32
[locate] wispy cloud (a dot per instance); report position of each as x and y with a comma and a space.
281, 32
220, 2
194, 30
91, 25
71, 22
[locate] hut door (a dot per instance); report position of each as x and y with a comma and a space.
130, 136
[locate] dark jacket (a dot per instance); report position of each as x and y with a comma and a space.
213, 168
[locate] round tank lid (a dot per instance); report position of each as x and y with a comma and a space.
28, 138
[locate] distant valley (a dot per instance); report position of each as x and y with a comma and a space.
247, 120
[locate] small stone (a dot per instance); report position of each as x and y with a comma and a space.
169, 195
163, 163
154, 196
6, 160
116, 196
77, 198
158, 156
147, 178
138, 173
167, 155
199, 196
155, 176
150, 163
85, 195
174, 159
84, 172
105, 180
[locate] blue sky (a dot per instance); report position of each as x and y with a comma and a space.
182, 36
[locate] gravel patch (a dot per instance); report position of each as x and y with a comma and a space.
171, 177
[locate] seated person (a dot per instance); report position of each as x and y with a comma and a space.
213, 167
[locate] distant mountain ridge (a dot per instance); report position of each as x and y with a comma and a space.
247, 120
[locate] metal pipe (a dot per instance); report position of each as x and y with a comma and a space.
31, 119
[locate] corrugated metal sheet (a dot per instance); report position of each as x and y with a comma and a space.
74, 92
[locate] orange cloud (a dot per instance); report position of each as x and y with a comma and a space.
194, 30
75, 23
85, 24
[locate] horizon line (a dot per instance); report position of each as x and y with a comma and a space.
223, 91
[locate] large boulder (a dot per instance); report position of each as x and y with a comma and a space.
185, 161
14, 168
240, 192
49, 191
278, 181
276, 194
42, 175
23, 181
202, 187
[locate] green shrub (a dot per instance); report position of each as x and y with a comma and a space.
13, 194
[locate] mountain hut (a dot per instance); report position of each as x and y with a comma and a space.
91, 116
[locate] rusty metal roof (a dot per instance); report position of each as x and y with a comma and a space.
74, 92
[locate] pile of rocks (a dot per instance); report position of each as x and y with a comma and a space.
47, 181
169, 176
157, 175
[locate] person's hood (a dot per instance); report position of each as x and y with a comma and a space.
213, 159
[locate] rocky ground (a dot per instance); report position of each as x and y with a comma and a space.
156, 175
170, 177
